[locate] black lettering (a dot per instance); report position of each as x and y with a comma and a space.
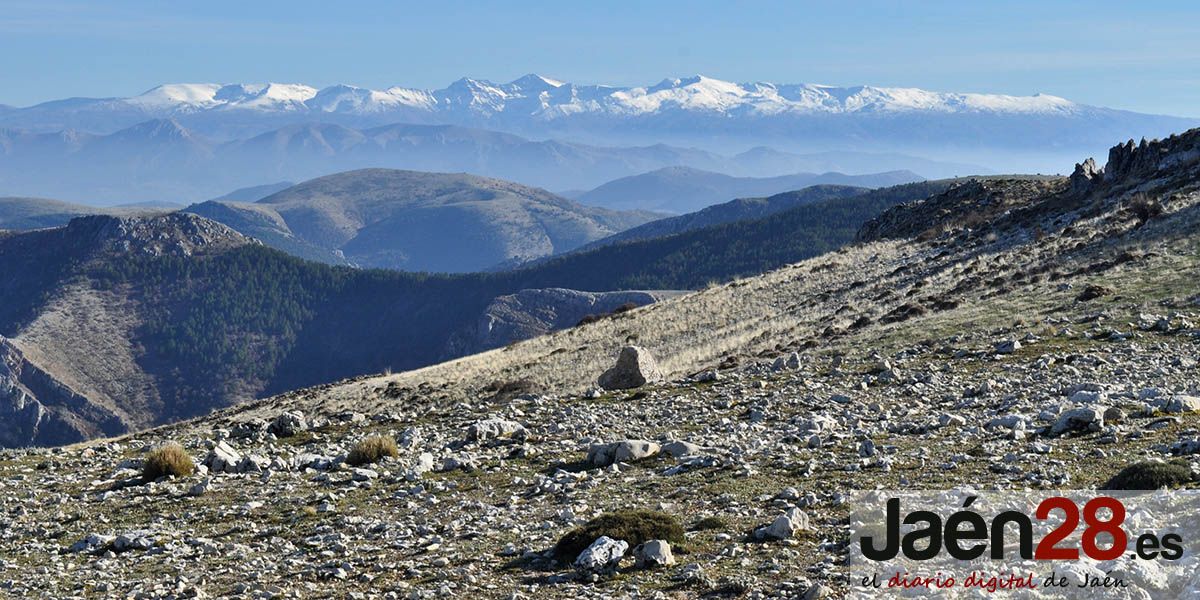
892, 539
932, 531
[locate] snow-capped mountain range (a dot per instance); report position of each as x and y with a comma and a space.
543, 98
1005, 133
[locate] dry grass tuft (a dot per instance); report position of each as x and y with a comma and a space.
371, 450
167, 459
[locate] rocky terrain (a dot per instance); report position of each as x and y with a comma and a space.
1003, 334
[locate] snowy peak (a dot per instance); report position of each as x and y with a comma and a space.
551, 98
202, 96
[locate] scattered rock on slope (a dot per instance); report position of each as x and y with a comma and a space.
635, 367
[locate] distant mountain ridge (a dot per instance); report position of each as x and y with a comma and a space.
416, 221
165, 160
741, 209
683, 190
695, 110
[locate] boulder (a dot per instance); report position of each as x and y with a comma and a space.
495, 429
785, 526
1086, 173
635, 367
223, 459
654, 553
253, 463
602, 556
288, 424
1181, 403
790, 362
678, 449
1007, 346
1084, 418
602, 455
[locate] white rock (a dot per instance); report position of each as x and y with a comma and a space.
654, 553
602, 556
602, 455
1089, 418
678, 449
223, 459
495, 429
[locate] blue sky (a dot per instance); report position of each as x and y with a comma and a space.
1144, 58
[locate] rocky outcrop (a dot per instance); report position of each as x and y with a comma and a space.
970, 205
1086, 174
38, 410
173, 234
1152, 159
530, 313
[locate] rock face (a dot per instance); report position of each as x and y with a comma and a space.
635, 367
1086, 173
530, 313
1146, 160
38, 410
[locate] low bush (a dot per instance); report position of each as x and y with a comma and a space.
1150, 476
632, 526
372, 450
167, 459
710, 524
1145, 208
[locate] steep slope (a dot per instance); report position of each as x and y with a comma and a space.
683, 189
696, 258
419, 221
1045, 347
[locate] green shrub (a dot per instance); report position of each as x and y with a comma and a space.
1150, 476
371, 450
633, 526
167, 459
709, 524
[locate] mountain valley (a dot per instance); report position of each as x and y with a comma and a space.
1008, 332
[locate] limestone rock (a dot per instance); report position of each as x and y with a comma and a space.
1085, 418
654, 553
602, 556
635, 367
223, 459
495, 429
288, 424
602, 455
